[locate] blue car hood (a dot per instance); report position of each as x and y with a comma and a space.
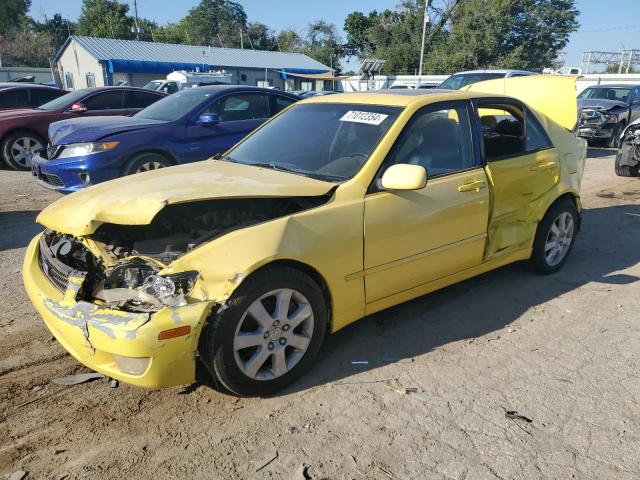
92, 129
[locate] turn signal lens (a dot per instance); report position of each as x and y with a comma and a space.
174, 332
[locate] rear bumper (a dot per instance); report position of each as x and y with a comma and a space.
93, 335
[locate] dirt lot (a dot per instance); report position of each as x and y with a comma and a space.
563, 351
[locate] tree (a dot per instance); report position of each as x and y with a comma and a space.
260, 37
24, 48
56, 28
323, 44
105, 18
215, 22
12, 14
289, 41
465, 34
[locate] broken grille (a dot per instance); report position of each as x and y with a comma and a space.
56, 271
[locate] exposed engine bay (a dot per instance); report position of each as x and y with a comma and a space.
128, 277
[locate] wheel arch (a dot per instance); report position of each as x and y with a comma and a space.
25, 129
159, 151
315, 275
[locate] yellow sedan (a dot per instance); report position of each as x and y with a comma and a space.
338, 207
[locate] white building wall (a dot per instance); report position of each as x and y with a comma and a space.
76, 61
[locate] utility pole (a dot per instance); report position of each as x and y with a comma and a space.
241, 40
424, 34
135, 18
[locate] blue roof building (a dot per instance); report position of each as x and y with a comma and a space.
87, 61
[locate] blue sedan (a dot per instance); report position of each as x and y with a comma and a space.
188, 126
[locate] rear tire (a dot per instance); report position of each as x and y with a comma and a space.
18, 147
626, 170
555, 236
145, 162
251, 357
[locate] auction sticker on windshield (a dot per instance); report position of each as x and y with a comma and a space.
371, 118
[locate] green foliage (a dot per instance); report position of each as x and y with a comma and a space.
260, 37
465, 34
216, 23
57, 29
25, 48
323, 43
12, 14
105, 18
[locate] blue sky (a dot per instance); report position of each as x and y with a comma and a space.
605, 25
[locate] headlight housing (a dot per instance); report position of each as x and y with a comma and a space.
137, 286
82, 149
611, 119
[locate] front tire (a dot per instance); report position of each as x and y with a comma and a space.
555, 236
145, 162
268, 335
18, 148
625, 170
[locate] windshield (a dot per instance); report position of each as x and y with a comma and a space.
459, 80
319, 140
606, 93
153, 84
175, 106
64, 101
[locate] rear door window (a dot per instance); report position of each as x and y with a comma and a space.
40, 96
136, 99
110, 100
241, 106
280, 103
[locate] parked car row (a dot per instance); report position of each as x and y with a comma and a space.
187, 126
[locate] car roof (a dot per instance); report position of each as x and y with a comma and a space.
27, 85
243, 88
615, 85
397, 98
505, 71
116, 87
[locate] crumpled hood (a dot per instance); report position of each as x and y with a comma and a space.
91, 129
600, 104
136, 199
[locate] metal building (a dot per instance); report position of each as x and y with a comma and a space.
87, 62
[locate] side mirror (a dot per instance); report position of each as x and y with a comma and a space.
208, 119
404, 176
78, 108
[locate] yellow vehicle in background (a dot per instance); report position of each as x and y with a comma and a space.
337, 208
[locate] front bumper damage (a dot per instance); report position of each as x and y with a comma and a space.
122, 345
629, 153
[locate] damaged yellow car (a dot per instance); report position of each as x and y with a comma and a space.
339, 207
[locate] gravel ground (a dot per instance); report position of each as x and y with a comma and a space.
562, 351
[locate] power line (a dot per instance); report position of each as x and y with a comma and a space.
629, 27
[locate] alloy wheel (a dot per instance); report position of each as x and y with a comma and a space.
148, 166
273, 334
23, 149
559, 239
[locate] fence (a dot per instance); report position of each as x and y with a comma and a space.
43, 75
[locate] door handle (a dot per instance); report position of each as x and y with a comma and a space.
472, 185
543, 166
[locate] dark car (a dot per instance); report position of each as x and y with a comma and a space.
190, 125
23, 131
605, 111
24, 95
